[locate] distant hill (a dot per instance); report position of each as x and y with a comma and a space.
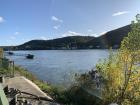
110, 39
70, 42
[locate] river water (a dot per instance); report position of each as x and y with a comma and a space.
58, 66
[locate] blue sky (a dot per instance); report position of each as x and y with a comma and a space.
24, 20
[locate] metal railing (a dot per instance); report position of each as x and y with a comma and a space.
3, 98
19, 97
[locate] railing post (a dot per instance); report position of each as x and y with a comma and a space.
13, 69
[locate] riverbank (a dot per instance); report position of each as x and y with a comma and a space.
44, 86
57, 93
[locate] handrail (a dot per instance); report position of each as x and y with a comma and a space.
35, 97
3, 98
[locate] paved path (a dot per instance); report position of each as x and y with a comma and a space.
23, 84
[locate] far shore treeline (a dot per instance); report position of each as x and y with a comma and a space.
110, 39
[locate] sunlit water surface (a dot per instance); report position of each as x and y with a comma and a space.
59, 66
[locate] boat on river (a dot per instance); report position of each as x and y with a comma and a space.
10, 53
29, 56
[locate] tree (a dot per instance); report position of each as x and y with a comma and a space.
130, 59
121, 71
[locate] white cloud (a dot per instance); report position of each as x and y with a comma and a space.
56, 27
12, 37
104, 32
95, 35
120, 13
16, 33
1, 19
43, 38
54, 18
90, 30
71, 33
99, 34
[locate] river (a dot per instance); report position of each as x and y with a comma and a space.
58, 66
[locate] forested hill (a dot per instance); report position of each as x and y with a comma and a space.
70, 42
110, 39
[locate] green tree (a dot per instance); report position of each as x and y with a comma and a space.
130, 59
121, 71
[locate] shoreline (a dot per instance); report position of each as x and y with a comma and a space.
45, 87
